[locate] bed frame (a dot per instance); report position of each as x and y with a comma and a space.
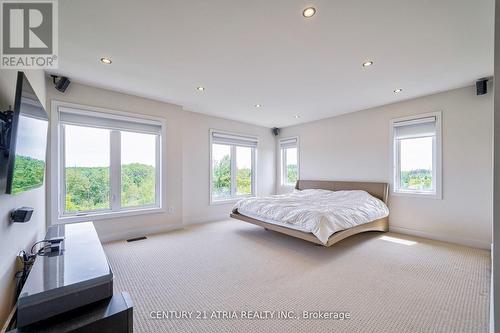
378, 190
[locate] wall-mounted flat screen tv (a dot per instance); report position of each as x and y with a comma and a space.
22, 166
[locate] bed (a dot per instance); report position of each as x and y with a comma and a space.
358, 190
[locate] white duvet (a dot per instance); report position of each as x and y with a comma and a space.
319, 212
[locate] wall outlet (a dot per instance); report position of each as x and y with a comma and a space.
171, 210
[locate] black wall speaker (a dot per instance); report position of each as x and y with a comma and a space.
481, 87
21, 215
276, 131
62, 83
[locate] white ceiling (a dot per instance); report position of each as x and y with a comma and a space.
264, 52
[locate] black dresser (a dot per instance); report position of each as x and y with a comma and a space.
72, 290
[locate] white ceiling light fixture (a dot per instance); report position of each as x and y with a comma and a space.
200, 88
258, 105
106, 60
297, 116
397, 91
367, 63
309, 12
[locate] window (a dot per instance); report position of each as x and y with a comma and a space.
86, 169
138, 181
109, 164
232, 166
417, 155
289, 161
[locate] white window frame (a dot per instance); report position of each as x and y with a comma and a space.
57, 186
282, 157
234, 197
436, 159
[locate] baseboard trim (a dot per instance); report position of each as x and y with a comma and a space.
133, 233
139, 232
441, 237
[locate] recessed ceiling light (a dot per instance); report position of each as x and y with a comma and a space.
367, 63
258, 105
106, 61
396, 91
200, 88
297, 116
309, 12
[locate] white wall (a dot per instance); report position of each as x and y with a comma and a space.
356, 146
186, 161
196, 175
18, 236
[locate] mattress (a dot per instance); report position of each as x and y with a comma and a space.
320, 212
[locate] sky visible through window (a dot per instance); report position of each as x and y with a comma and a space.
89, 147
291, 156
218, 152
416, 154
138, 148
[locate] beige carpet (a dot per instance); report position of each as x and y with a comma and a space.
386, 286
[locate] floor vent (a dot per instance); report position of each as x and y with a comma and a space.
136, 239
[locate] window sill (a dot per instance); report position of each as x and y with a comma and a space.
416, 194
108, 215
229, 201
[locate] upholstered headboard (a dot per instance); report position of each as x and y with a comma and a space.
378, 190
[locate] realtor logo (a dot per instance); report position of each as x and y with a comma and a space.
29, 34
